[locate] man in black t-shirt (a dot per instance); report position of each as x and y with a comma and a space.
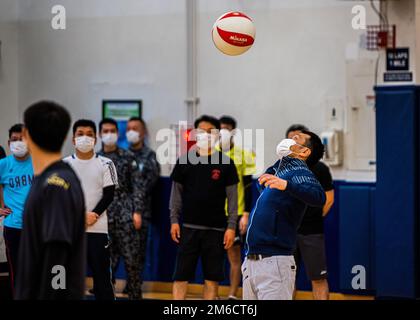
202, 181
310, 247
2, 153
52, 247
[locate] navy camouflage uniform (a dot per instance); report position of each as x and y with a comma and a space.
125, 239
149, 174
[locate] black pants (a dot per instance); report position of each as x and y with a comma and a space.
99, 262
12, 241
132, 246
144, 231
125, 243
204, 244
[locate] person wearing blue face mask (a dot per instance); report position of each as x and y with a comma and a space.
287, 188
16, 177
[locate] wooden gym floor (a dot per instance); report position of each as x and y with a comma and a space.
163, 291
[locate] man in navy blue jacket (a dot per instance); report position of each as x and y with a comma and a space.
287, 188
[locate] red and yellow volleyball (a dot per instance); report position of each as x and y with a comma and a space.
234, 33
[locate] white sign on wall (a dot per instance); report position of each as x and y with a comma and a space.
360, 140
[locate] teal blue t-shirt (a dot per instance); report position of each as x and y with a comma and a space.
16, 178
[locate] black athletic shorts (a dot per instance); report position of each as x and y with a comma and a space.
311, 250
204, 244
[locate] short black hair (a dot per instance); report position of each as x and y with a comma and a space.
107, 121
138, 119
228, 120
47, 123
15, 128
84, 123
296, 127
317, 148
205, 118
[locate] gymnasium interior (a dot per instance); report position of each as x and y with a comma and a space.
345, 69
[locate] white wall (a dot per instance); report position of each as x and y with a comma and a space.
137, 49
8, 67
298, 62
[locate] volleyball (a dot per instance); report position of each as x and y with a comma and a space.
234, 33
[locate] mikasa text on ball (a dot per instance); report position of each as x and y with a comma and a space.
233, 33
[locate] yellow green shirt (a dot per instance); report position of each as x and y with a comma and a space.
245, 166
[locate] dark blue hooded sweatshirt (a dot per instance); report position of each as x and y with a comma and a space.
277, 215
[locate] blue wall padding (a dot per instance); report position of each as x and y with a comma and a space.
372, 234
161, 254
397, 121
355, 240
331, 230
333, 246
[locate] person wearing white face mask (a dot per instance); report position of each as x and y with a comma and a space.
124, 214
203, 180
99, 180
16, 177
245, 166
287, 188
149, 169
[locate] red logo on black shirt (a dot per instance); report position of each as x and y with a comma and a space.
215, 174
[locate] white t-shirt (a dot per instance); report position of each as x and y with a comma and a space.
95, 174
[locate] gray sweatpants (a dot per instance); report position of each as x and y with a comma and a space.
271, 278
